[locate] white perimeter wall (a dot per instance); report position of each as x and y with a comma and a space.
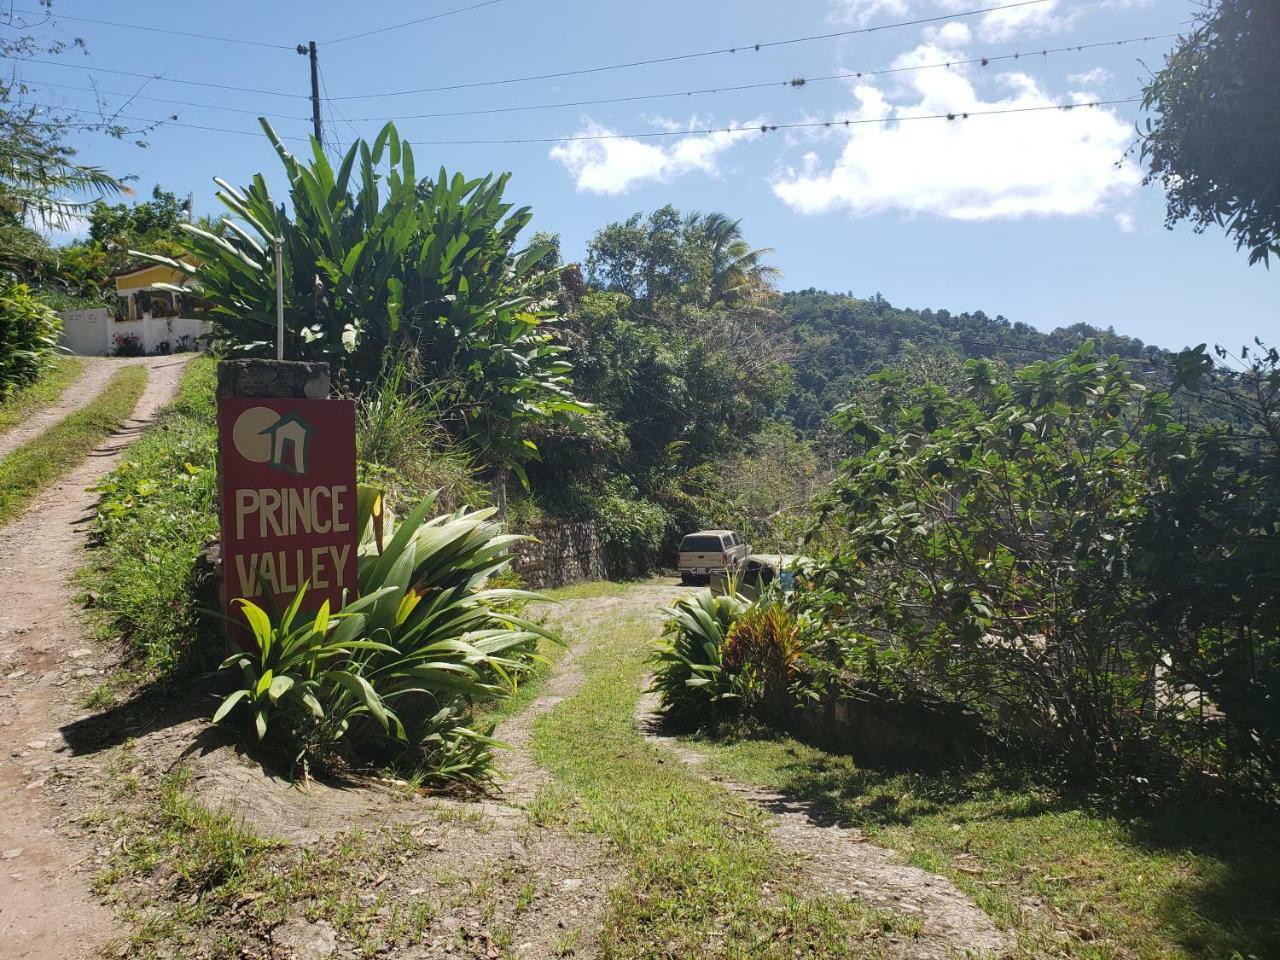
93, 332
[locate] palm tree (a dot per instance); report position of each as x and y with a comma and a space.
39, 180
739, 273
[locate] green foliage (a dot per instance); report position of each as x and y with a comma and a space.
667, 261
394, 677
763, 491
635, 531
378, 259
987, 543
155, 514
764, 655
690, 676
402, 445
1212, 143
62, 372
28, 335
1210, 557
839, 339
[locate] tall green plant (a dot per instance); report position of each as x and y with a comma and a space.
28, 335
987, 548
379, 257
396, 679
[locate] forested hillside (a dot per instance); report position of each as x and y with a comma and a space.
839, 338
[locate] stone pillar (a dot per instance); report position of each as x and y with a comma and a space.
273, 378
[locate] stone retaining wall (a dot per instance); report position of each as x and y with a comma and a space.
564, 552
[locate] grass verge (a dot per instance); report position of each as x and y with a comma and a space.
155, 513
35, 465
190, 881
703, 878
1073, 881
62, 372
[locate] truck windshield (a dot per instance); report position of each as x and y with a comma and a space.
700, 545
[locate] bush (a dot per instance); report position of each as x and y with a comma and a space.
395, 676
987, 549
127, 345
765, 657
155, 513
29, 332
690, 677
403, 446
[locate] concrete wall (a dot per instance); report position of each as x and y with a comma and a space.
93, 332
565, 552
85, 332
880, 730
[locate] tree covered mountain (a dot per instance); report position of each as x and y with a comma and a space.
837, 339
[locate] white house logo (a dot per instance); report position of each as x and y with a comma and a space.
283, 442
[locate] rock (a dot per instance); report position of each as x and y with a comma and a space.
79, 653
570, 884
11, 854
306, 941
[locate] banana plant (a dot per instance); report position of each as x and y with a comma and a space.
376, 257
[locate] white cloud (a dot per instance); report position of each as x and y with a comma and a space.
1124, 220
1055, 162
952, 32
1090, 79
614, 166
862, 12
994, 27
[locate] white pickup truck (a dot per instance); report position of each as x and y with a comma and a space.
707, 552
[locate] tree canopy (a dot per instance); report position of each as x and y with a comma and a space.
1214, 141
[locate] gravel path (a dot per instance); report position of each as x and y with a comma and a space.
46, 909
842, 861
97, 371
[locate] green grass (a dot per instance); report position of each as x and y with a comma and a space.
1071, 880
191, 881
62, 372
156, 513
37, 464
702, 877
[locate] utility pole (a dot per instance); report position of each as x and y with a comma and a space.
309, 49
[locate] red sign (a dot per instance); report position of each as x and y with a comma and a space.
288, 488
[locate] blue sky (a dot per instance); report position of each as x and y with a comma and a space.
1035, 215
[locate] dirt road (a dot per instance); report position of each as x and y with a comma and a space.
46, 909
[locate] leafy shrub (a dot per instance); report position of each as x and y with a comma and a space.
155, 513
127, 345
634, 532
28, 335
987, 554
764, 655
1208, 553
375, 259
403, 446
690, 677
396, 679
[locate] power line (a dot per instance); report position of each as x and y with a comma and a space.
176, 33
771, 127
410, 23
163, 79
754, 47
139, 96
755, 128
795, 82
548, 76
